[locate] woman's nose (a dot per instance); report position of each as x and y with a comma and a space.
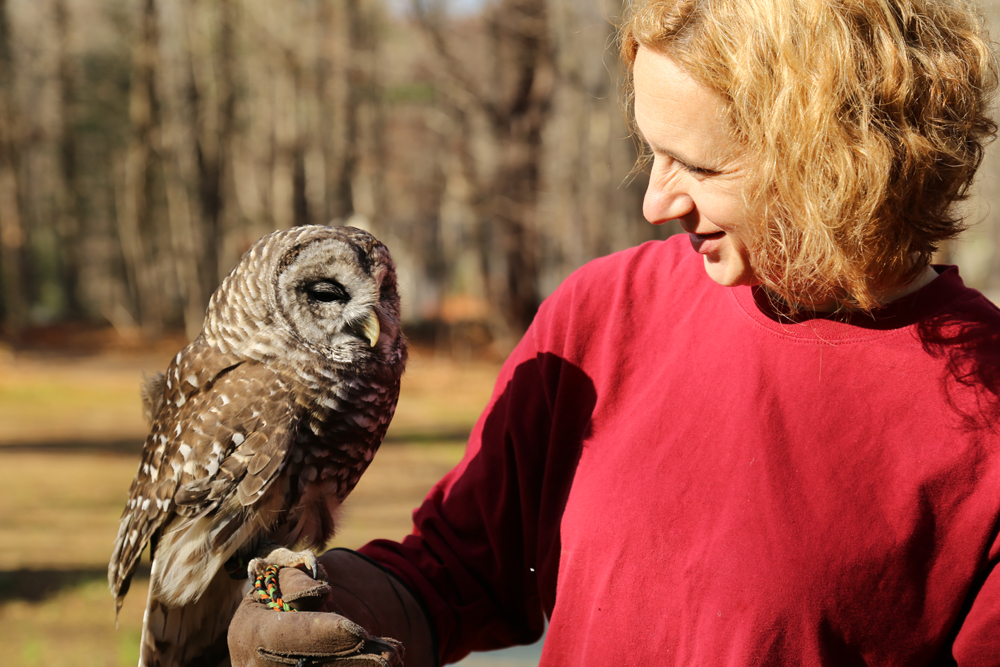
665, 201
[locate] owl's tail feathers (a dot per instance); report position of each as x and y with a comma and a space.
119, 587
194, 633
120, 575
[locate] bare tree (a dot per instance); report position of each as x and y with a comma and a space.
138, 233
12, 231
177, 149
516, 102
337, 92
71, 223
211, 98
487, 148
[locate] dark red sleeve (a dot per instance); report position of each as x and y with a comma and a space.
978, 641
485, 548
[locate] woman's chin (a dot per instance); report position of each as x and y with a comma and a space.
729, 273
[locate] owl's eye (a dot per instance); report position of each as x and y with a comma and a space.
327, 291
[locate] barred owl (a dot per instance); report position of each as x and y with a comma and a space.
259, 430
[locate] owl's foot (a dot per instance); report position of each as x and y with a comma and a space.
282, 557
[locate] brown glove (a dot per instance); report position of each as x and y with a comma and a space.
337, 624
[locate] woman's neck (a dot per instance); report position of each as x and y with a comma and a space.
924, 278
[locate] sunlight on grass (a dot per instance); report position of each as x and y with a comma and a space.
128, 647
73, 627
69, 519
71, 399
31, 652
441, 396
59, 510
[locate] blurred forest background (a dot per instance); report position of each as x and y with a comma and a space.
145, 144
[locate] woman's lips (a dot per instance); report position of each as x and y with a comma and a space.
705, 243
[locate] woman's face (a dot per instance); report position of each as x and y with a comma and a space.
698, 170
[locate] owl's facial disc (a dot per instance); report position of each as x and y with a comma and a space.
331, 291
328, 298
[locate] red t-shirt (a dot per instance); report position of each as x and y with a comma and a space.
671, 474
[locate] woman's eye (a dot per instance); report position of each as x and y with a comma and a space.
683, 166
701, 171
326, 291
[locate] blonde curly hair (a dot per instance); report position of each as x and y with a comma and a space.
864, 120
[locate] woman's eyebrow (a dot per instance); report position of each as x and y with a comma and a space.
673, 155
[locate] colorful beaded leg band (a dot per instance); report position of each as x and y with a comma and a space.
266, 588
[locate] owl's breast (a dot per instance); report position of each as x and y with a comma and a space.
338, 439
339, 427
319, 474
336, 464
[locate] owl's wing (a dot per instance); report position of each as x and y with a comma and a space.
218, 439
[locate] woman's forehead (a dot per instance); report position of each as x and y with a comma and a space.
678, 115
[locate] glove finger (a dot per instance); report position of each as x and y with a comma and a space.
255, 626
308, 633
375, 652
301, 591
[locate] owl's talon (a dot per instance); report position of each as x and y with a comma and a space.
282, 557
255, 568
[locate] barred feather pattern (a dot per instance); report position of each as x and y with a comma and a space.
259, 429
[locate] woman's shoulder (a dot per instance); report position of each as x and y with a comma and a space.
948, 303
664, 254
630, 289
637, 272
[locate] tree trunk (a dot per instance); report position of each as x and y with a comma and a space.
136, 205
177, 158
517, 109
520, 33
13, 295
212, 111
338, 86
71, 225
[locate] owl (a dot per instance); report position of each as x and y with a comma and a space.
258, 431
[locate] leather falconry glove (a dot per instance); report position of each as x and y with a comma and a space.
347, 622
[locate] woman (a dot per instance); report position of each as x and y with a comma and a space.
774, 441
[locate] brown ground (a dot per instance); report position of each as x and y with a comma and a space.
70, 433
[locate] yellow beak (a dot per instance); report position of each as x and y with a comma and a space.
371, 328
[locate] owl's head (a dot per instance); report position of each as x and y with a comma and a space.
327, 291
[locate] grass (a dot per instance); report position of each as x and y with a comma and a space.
95, 399
76, 626
70, 432
44, 400
60, 509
